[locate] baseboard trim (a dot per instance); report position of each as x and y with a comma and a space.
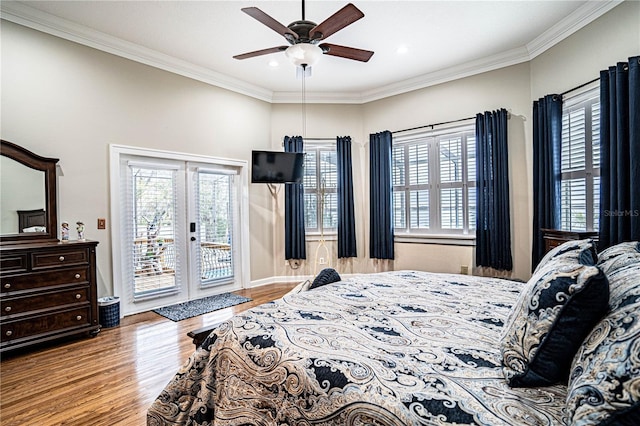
285, 279
279, 279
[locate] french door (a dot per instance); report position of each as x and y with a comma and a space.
180, 230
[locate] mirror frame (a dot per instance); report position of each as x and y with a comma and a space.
48, 166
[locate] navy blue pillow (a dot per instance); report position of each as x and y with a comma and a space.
563, 300
326, 276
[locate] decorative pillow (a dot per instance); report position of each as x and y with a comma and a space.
563, 300
617, 257
604, 387
585, 248
326, 276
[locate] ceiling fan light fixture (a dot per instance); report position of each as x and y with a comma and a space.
303, 54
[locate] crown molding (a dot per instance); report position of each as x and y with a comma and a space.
478, 66
50, 24
41, 21
577, 20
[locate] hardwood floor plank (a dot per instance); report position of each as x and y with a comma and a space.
110, 379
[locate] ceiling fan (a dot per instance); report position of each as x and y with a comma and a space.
306, 37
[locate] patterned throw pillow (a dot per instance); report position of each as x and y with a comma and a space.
566, 296
326, 276
604, 387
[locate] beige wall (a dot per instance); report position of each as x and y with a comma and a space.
323, 121
612, 38
505, 88
60, 99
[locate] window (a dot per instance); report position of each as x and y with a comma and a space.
320, 188
580, 163
434, 182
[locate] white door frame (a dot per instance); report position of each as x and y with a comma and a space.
242, 251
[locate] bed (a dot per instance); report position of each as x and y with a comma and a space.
393, 348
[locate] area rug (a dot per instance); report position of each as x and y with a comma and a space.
193, 308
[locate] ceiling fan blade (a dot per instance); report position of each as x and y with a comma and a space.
346, 52
261, 52
345, 16
267, 20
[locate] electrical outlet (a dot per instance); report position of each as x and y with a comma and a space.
464, 269
102, 223
322, 261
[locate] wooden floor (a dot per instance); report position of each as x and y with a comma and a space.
110, 379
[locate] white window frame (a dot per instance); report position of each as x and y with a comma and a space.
436, 233
318, 147
586, 98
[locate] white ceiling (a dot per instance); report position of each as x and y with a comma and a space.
444, 40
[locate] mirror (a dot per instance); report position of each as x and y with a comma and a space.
28, 195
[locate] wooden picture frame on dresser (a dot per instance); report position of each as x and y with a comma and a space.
48, 288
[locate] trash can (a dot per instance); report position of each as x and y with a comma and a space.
109, 311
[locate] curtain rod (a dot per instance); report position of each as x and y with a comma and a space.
433, 125
316, 139
580, 86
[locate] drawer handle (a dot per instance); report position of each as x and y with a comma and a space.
7, 285
77, 276
8, 309
8, 333
61, 258
78, 296
79, 317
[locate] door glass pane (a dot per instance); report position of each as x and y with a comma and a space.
154, 204
215, 227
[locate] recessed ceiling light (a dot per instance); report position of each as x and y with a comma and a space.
402, 49
273, 63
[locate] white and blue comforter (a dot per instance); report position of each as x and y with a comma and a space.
394, 348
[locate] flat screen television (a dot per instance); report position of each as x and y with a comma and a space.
276, 167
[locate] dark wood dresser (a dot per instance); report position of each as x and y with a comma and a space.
555, 237
48, 291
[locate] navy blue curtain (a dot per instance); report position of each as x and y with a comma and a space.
294, 237
380, 192
346, 216
493, 221
547, 140
620, 153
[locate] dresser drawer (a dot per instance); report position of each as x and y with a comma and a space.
53, 322
38, 280
50, 259
13, 263
12, 306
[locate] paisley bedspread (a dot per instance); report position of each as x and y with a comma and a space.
394, 348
